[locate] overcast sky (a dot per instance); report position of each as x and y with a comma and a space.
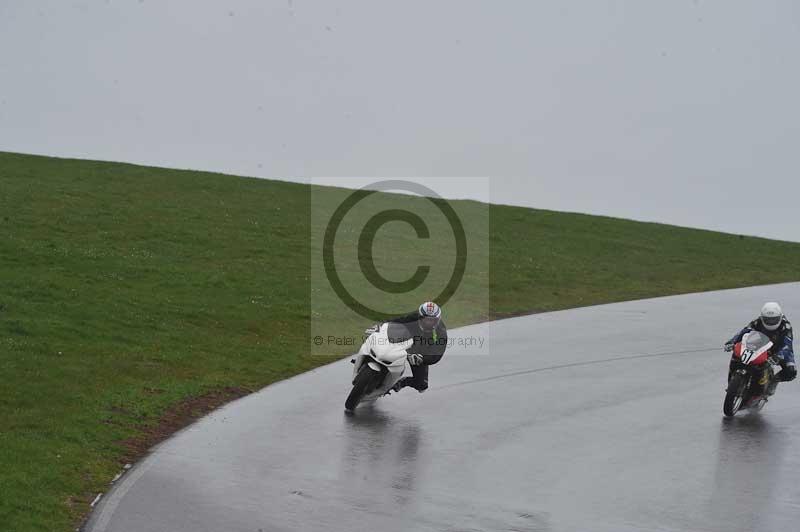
673, 111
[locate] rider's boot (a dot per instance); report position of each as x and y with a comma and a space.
402, 383
397, 387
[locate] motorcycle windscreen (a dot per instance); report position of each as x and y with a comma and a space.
755, 341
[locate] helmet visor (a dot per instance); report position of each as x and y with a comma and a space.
429, 323
771, 321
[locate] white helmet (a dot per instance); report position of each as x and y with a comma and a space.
430, 314
771, 316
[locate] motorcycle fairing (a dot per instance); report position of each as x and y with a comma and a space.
754, 349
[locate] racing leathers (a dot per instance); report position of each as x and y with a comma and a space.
430, 345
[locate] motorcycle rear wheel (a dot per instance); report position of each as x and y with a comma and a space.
360, 385
733, 400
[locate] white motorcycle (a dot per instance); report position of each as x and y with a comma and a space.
379, 365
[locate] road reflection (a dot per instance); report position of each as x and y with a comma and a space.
381, 457
749, 459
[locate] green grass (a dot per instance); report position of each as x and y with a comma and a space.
126, 289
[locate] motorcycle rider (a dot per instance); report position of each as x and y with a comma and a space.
429, 332
773, 324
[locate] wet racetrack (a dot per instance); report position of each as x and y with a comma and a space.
598, 419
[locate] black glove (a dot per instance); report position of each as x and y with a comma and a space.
789, 372
729, 347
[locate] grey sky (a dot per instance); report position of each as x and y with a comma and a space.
674, 111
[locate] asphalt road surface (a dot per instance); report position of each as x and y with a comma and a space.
598, 419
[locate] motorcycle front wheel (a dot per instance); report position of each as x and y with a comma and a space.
734, 398
365, 377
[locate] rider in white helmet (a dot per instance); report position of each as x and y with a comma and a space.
773, 323
429, 332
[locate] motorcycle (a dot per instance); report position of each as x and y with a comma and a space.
752, 380
379, 365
